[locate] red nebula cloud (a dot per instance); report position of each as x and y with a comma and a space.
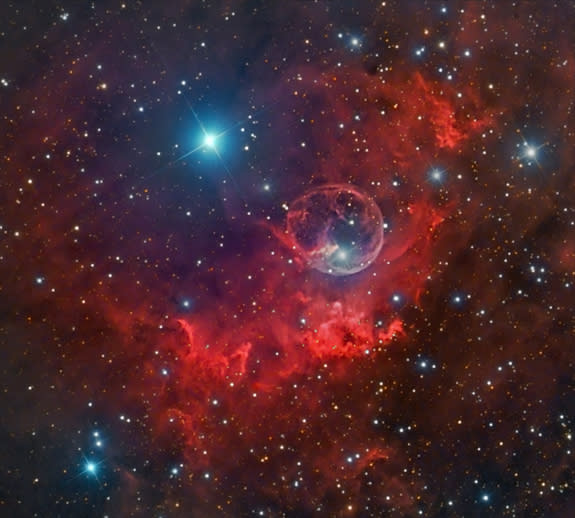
252, 361
255, 371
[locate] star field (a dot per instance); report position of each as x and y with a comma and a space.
287, 259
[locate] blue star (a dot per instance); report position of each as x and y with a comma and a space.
436, 175
528, 152
90, 468
210, 140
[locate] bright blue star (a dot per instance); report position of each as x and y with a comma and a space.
436, 175
210, 140
528, 154
90, 468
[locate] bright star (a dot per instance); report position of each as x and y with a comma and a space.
529, 153
210, 140
90, 467
436, 175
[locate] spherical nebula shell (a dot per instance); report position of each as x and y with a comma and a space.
337, 228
